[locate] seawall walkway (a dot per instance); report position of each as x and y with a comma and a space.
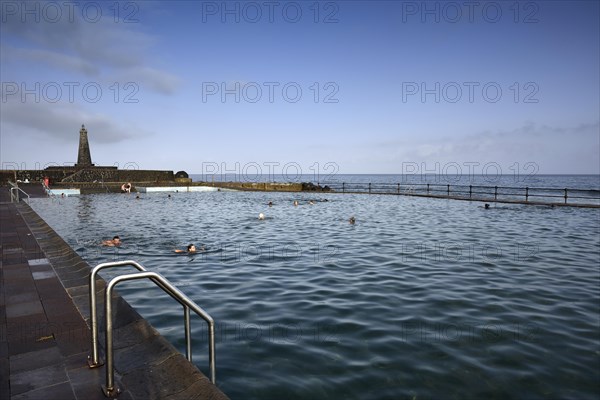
44, 326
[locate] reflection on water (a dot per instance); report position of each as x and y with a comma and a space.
420, 298
85, 209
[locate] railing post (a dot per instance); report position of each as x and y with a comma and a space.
448, 190
565, 195
343, 187
398, 188
93, 359
495, 192
428, 188
110, 390
369, 187
188, 333
211, 352
527, 193
470, 191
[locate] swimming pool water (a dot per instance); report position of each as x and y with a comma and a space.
421, 298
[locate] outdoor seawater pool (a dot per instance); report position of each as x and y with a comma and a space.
421, 298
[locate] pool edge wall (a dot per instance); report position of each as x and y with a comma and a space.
146, 364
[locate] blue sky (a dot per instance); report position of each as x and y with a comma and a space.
369, 87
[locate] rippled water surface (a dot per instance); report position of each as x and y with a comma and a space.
421, 298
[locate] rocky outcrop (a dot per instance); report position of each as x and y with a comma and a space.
311, 187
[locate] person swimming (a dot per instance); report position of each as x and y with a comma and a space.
115, 241
190, 249
270, 204
261, 216
295, 203
486, 206
352, 220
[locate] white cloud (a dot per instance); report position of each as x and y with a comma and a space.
154, 79
555, 149
53, 58
101, 50
61, 121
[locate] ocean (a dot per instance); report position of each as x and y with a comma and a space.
515, 180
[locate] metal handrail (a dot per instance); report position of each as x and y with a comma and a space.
47, 189
15, 198
93, 360
110, 390
456, 190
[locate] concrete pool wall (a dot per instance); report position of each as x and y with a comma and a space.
146, 364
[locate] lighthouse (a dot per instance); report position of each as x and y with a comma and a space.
84, 159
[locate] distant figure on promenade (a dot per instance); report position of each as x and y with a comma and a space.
115, 241
352, 220
261, 216
190, 249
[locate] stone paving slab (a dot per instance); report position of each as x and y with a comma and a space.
47, 357
61, 391
33, 379
44, 326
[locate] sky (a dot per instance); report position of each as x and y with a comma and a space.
303, 86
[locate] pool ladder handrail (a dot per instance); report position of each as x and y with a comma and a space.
14, 198
110, 389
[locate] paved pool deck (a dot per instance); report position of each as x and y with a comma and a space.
44, 326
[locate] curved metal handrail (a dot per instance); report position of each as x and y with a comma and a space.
93, 360
16, 197
110, 389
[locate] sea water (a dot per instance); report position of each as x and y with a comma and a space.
420, 298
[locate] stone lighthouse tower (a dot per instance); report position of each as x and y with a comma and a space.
84, 159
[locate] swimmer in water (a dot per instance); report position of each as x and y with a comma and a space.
352, 220
295, 203
190, 249
487, 206
261, 216
116, 241
270, 204
311, 202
